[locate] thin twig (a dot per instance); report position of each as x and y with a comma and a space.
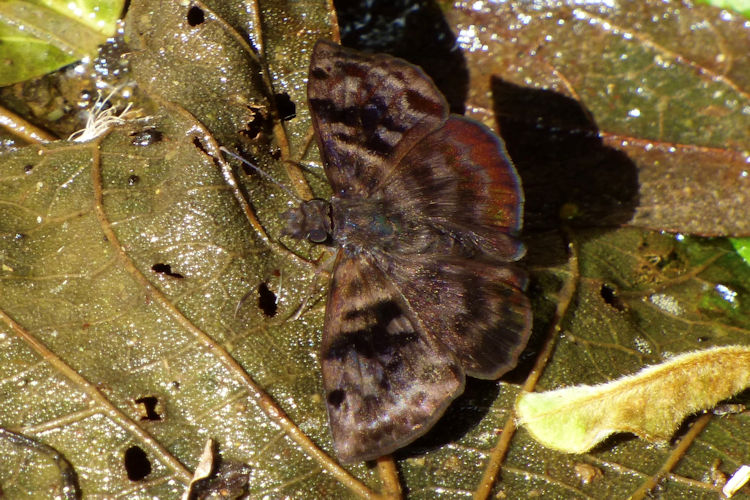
24, 129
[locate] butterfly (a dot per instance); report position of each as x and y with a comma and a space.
424, 214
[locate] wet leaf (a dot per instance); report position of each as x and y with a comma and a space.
99, 223
121, 317
742, 245
736, 5
34, 466
632, 116
152, 269
40, 37
641, 298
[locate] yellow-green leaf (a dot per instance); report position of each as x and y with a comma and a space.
650, 403
38, 37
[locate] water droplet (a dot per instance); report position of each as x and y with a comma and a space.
726, 293
726, 15
666, 303
642, 345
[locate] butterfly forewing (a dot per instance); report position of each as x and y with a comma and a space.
368, 112
386, 380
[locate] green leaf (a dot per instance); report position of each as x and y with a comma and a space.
742, 6
742, 246
37, 37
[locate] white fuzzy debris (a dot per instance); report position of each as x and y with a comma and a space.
737, 481
101, 120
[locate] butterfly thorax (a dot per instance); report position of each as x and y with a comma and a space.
375, 225
363, 224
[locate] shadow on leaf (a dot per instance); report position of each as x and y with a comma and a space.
567, 172
463, 415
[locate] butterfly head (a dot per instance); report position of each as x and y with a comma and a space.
310, 221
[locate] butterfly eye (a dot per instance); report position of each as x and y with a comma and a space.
317, 236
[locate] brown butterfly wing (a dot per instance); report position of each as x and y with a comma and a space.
459, 180
460, 183
368, 112
477, 309
387, 380
426, 207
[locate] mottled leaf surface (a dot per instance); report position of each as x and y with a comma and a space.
85, 341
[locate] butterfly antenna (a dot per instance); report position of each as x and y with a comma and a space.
262, 173
310, 167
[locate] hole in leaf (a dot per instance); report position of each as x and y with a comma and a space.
133, 180
28, 168
137, 464
149, 408
198, 144
195, 16
166, 269
256, 125
267, 300
286, 107
609, 294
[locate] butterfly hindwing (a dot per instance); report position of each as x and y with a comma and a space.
368, 111
460, 183
476, 309
387, 380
